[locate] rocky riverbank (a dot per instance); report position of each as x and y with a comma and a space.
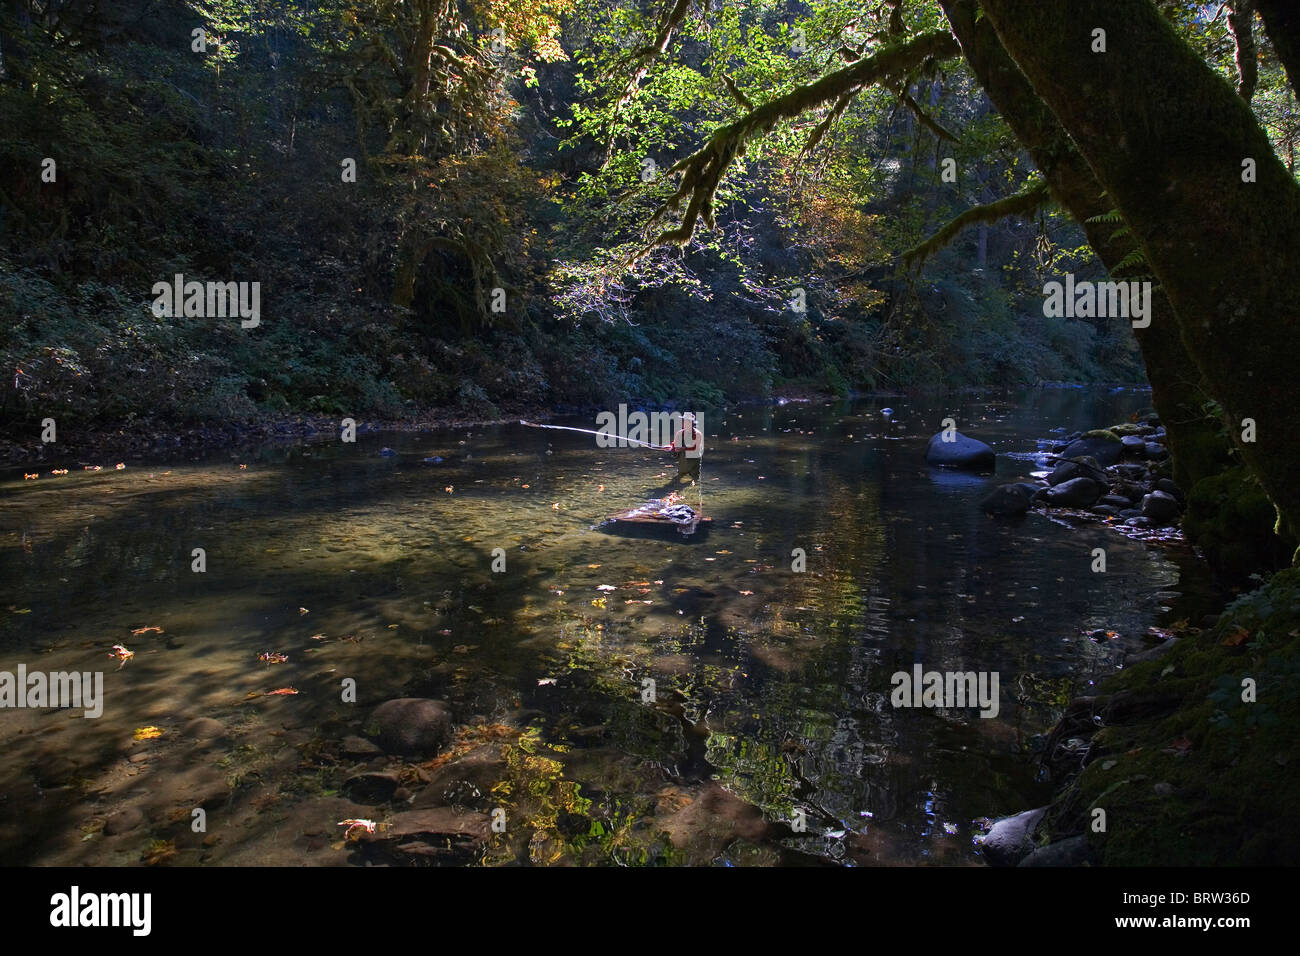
1185, 756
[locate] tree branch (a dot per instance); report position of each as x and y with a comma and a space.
1022, 203
703, 170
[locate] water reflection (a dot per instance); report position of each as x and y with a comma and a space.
770, 685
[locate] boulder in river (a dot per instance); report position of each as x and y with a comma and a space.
1105, 450
1160, 506
1133, 446
1075, 493
963, 452
1012, 838
1010, 499
1069, 469
410, 725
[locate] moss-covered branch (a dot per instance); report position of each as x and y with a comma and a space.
1023, 203
703, 170
644, 57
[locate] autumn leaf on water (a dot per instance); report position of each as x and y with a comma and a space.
318, 637
278, 692
606, 587
272, 657
146, 630
147, 733
598, 602
303, 610
747, 593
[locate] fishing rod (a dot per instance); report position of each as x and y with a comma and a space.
588, 431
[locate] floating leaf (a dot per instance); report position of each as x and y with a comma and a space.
147, 733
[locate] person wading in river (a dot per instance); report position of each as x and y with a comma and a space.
688, 444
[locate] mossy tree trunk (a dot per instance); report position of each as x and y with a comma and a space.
1176, 391
1167, 138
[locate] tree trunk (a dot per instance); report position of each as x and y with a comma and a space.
1176, 391
1282, 24
1167, 138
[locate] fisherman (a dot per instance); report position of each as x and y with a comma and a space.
688, 444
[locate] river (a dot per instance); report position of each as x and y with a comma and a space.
713, 705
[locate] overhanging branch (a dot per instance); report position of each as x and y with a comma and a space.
1022, 203
703, 170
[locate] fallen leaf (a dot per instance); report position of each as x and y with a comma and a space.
1237, 637
281, 692
147, 733
303, 610
147, 630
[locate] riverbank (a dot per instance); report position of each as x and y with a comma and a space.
1184, 755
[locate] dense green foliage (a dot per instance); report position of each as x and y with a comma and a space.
515, 171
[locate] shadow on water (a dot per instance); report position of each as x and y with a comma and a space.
836, 558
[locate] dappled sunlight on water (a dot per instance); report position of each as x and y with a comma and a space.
771, 686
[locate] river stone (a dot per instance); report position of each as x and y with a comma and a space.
1103, 449
1075, 493
1072, 851
204, 728
1160, 507
962, 452
354, 746
1168, 487
410, 725
1156, 451
370, 787
1068, 470
437, 821
1106, 511
1007, 500
124, 821
1012, 838
1115, 501
1133, 446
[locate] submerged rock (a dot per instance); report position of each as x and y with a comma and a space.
124, 821
411, 725
1007, 500
962, 452
371, 787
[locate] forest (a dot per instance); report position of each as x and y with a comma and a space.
833, 231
